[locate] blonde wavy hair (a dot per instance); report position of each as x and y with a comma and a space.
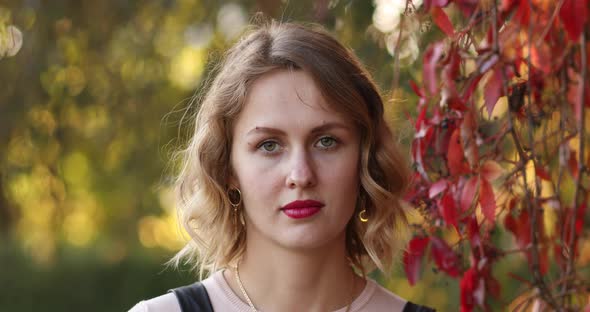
204, 209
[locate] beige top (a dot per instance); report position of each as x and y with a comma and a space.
372, 298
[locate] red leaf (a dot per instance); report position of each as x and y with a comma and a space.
580, 219
455, 157
468, 285
441, 145
431, 57
435, 3
471, 87
520, 228
507, 5
487, 200
413, 258
417, 155
444, 257
493, 286
524, 13
542, 173
421, 120
511, 204
453, 67
416, 89
468, 129
437, 187
541, 57
468, 194
448, 209
441, 19
467, 6
573, 15
456, 103
454, 64
510, 224
578, 227
493, 90
490, 170
543, 259
473, 232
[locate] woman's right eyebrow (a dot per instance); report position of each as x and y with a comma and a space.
266, 130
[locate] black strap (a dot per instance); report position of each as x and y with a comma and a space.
412, 307
193, 298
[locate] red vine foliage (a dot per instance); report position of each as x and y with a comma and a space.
500, 145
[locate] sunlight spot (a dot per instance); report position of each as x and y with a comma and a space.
231, 19
186, 67
386, 16
76, 169
79, 228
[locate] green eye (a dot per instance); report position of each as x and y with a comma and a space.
327, 142
269, 146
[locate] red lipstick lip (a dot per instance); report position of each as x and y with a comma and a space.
300, 209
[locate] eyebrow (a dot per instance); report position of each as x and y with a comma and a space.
322, 128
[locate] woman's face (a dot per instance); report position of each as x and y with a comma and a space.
295, 161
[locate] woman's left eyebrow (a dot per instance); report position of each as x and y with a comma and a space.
330, 126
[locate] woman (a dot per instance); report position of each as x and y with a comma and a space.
290, 187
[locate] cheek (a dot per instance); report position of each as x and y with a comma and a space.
342, 177
258, 178
343, 168
345, 176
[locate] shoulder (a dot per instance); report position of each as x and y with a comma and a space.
166, 302
169, 301
376, 298
382, 297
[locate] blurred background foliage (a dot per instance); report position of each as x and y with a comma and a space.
90, 112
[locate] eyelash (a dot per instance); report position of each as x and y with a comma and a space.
334, 143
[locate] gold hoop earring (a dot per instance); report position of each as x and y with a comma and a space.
237, 214
239, 195
362, 216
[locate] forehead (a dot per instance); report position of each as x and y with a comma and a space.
283, 86
287, 94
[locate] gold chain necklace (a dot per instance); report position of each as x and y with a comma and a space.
253, 308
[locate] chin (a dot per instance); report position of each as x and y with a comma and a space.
309, 241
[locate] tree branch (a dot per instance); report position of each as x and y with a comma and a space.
533, 204
570, 269
530, 201
397, 47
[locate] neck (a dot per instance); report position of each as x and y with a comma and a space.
280, 279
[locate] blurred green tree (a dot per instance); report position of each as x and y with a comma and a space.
91, 108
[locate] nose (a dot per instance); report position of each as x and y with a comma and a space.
301, 172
